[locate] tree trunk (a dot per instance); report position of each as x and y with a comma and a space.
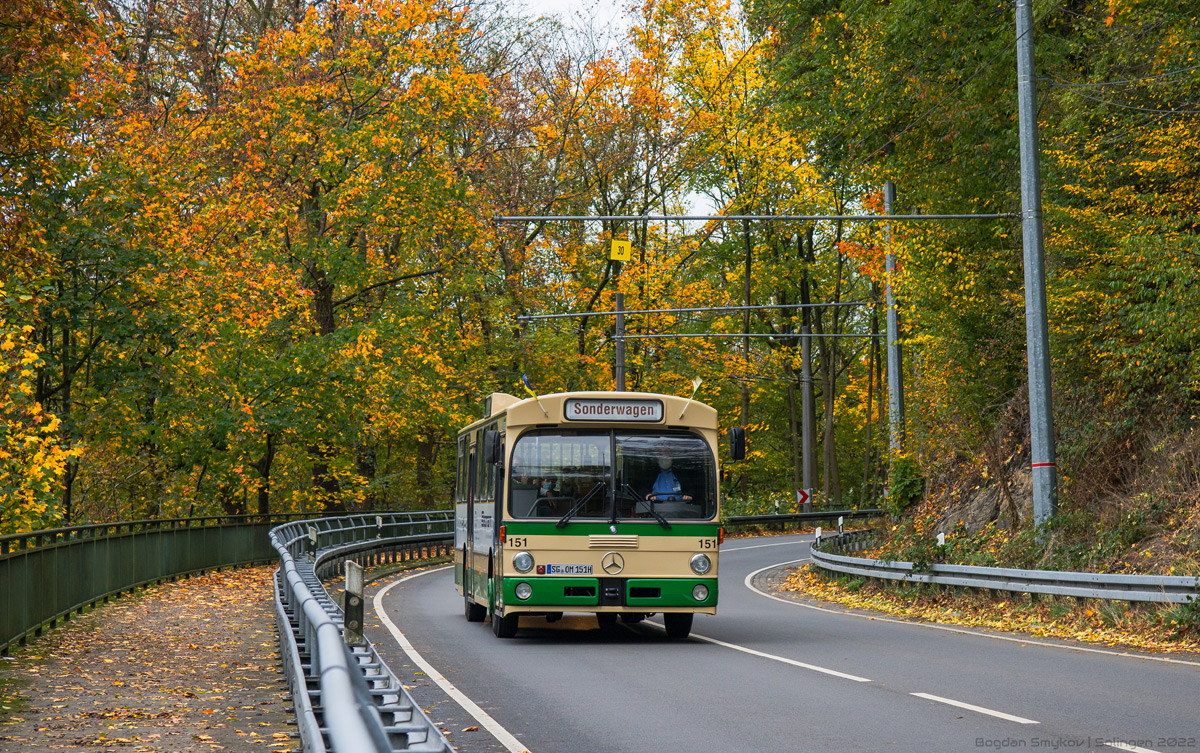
424, 470
322, 302
263, 466
328, 486
831, 478
868, 487
72, 465
365, 463
832, 486
229, 503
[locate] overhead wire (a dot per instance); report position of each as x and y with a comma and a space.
710, 96
1179, 111
1085, 84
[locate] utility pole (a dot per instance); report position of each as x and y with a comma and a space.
619, 336
1037, 337
807, 429
895, 356
746, 345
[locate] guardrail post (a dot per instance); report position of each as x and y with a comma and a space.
312, 543
352, 631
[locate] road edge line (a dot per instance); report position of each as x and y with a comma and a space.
502, 735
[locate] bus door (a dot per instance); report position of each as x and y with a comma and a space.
469, 563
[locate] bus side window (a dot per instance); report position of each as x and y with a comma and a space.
480, 469
460, 483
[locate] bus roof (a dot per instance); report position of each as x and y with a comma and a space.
602, 409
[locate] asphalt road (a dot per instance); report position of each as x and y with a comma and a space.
771, 673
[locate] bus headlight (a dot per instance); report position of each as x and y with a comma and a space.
524, 591
523, 561
701, 564
700, 592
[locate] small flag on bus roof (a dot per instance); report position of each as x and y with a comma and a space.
529, 389
695, 388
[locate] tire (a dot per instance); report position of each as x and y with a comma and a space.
679, 624
504, 627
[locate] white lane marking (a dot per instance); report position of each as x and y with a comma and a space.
485, 719
1127, 746
969, 707
949, 629
763, 546
773, 657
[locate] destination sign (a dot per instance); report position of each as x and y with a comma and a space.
597, 409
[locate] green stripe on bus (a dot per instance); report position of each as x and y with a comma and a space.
649, 594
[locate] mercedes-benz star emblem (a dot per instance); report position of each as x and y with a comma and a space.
612, 563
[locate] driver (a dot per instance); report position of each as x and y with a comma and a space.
666, 486
547, 499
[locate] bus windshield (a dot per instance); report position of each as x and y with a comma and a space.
612, 475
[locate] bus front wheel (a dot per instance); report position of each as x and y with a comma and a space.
678, 624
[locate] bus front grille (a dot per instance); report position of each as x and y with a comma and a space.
605, 541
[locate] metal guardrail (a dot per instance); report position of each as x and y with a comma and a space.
1177, 589
346, 699
49, 575
15, 542
802, 517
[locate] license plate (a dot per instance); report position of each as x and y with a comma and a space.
568, 569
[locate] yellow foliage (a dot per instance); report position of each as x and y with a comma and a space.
32, 457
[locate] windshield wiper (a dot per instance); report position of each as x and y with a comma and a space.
562, 522
649, 506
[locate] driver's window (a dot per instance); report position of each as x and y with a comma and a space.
670, 475
553, 474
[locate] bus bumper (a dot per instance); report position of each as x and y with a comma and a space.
612, 594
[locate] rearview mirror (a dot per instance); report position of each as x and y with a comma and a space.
493, 448
737, 443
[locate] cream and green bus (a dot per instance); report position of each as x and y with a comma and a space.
601, 502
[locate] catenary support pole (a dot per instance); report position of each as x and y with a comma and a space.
895, 356
1037, 338
746, 288
619, 366
807, 429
